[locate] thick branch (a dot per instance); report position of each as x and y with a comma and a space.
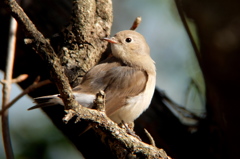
121, 144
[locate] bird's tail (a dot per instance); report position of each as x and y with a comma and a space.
46, 101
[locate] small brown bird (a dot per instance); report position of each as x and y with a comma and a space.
128, 78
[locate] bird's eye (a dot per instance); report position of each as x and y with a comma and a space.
128, 40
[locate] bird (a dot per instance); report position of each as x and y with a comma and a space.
128, 78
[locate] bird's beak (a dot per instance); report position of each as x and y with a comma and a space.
111, 40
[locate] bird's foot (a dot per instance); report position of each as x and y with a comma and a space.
129, 129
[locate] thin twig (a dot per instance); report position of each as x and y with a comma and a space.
20, 78
184, 21
7, 89
152, 142
136, 23
36, 84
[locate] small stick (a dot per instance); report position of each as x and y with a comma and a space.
152, 142
70, 114
136, 23
100, 101
19, 79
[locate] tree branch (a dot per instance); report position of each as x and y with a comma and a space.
7, 89
121, 144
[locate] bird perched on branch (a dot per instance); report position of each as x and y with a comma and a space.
128, 78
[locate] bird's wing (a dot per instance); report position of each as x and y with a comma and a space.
123, 83
119, 82
94, 80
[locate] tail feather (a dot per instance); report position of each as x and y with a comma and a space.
46, 101
46, 104
84, 99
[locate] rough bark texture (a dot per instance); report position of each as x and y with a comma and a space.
83, 47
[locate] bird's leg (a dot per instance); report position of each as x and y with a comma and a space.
129, 128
